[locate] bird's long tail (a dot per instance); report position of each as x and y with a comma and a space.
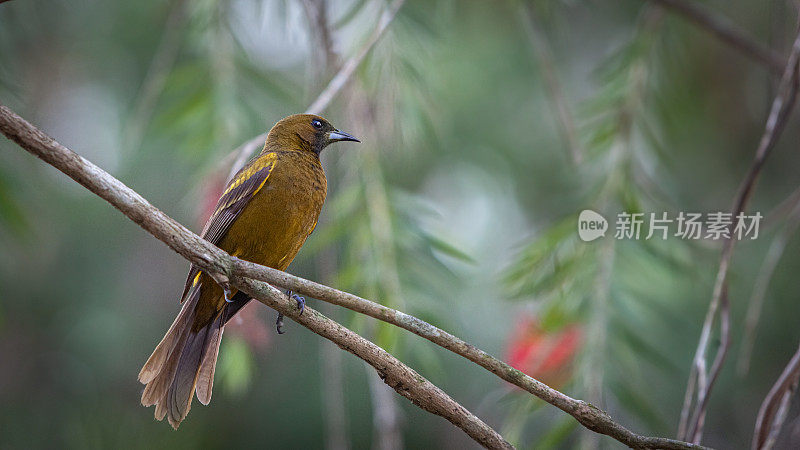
184, 361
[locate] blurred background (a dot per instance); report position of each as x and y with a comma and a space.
486, 127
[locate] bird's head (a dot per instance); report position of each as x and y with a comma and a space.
308, 132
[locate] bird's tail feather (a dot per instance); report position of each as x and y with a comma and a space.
205, 374
184, 362
199, 352
165, 348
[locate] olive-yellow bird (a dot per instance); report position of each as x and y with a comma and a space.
264, 215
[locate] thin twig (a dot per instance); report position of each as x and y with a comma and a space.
544, 57
244, 151
708, 384
727, 32
769, 418
780, 417
212, 259
779, 113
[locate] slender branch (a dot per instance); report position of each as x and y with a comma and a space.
212, 259
779, 417
773, 409
776, 122
243, 152
727, 32
702, 403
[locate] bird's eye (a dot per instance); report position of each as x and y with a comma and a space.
316, 124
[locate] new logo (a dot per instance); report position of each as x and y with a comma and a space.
591, 225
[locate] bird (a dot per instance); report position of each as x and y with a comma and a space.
264, 215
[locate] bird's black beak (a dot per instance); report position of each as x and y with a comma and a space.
336, 136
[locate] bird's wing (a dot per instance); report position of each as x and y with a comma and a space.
244, 185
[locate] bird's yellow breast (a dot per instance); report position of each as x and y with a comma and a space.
275, 222
278, 219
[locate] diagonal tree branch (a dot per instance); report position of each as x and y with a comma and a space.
727, 32
244, 151
250, 277
781, 107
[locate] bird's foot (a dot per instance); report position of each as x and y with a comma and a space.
301, 302
301, 305
226, 288
225, 284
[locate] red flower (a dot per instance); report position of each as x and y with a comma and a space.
547, 356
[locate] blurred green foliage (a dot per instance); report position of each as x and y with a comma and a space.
459, 207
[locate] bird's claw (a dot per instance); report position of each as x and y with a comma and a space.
301, 305
226, 288
301, 302
223, 282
